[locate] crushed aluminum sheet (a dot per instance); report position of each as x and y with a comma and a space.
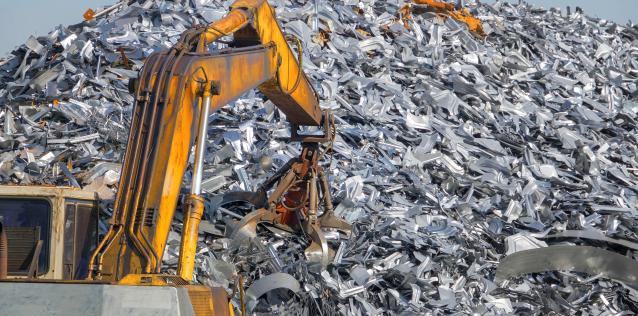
584, 259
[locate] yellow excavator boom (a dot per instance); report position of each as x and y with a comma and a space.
456, 12
174, 94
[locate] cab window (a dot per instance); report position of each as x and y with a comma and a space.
27, 223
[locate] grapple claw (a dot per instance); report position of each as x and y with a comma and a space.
246, 229
302, 186
318, 251
330, 220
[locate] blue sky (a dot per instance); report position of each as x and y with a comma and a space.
19, 19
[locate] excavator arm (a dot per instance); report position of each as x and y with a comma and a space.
457, 12
175, 92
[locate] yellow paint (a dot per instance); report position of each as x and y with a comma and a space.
462, 15
193, 212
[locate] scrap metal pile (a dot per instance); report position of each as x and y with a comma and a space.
463, 163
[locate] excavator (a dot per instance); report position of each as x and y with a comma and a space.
175, 93
51, 259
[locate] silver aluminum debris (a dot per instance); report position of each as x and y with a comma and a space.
269, 283
583, 259
452, 152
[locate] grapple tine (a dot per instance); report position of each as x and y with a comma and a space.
318, 251
330, 220
246, 229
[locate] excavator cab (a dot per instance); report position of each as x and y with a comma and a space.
49, 232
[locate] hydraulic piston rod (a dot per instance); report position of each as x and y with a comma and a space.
200, 145
194, 206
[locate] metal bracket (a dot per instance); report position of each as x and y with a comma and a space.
328, 131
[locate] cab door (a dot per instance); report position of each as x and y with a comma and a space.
80, 237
